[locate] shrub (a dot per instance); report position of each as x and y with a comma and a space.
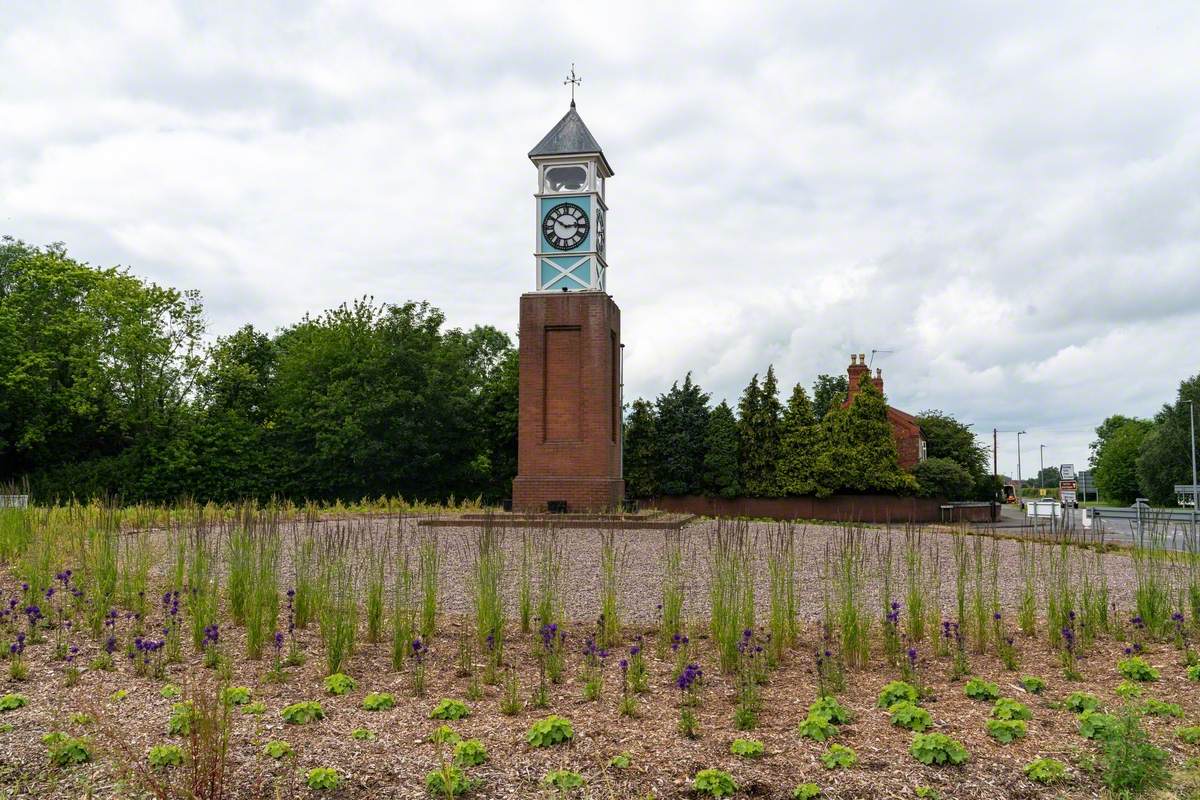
254, 709
1158, 708
303, 713
11, 702
379, 701
1132, 765
714, 783
1193, 672
910, 716
620, 761
563, 779
979, 689
235, 695
450, 709
1189, 734
747, 748
323, 778
169, 691
817, 728
162, 756
1079, 702
926, 793
896, 691
838, 755
470, 753
550, 731
937, 748
362, 735
1128, 690
444, 734
806, 791
449, 781
277, 749
66, 750
1007, 708
1046, 771
832, 710
1136, 668
182, 717
339, 683
1006, 731
1096, 725
1033, 684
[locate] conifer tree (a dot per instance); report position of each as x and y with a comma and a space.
759, 436
641, 457
720, 478
801, 441
681, 419
862, 455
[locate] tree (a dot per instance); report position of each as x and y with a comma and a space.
1115, 460
943, 477
801, 443
861, 455
720, 477
759, 436
681, 419
1105, 431
641, 453
1165, 458
1047, 478
829, 391
946, 437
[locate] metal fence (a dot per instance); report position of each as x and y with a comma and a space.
14, 500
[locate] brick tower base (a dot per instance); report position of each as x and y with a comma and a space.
569, 429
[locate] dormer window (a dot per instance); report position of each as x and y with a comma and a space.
571, 178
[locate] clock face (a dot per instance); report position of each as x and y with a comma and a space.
600, 231
565, 226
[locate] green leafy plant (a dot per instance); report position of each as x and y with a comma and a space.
449, 781
182, 717
323, 778
1189, 734
620, 761
817, 727
838, 756
11, 702
910, 716
119, 695
6, 727
470, 753
806, 791
714, 783
979, 689
339, 683
254, 709
1033, 684
1193, 672
1129, 690
303, 713
1159, 708
747, 748
1079, 702
444, 734
896, 691
1096, 725
66, 750
379, 701
1136, 668
1007, 708
162, 756
831, 709
1132, 765
450, 709
927, 793
362, 735
937, 749
550, 731
277, 749
169, 691
235, 695
82, 718
564, 780
1006, 731
1046, 771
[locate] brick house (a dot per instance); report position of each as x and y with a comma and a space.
910, 442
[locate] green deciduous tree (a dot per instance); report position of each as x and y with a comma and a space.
946, 437
1165, 456
721, 470
943, 477
1115, 460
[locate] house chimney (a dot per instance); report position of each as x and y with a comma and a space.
858, 367
878, 380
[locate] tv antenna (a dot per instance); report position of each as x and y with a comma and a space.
873, 352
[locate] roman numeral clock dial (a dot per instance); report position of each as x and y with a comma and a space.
565, 226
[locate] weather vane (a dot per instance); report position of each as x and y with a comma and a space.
574, 81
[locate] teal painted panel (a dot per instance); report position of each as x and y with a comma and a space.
545, 204
548, 273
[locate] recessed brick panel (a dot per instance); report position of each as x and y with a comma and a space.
561, 385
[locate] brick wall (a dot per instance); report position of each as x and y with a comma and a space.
843, 508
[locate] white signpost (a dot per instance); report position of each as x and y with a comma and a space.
1066, 484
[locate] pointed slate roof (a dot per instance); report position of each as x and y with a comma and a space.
569, 137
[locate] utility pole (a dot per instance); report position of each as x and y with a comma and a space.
1019, 434
995, 463
1195, 492
1041, 466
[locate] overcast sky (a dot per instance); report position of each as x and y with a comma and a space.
1006, 197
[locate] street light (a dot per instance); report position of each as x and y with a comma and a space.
1041, 466
1019, 434
1195, 498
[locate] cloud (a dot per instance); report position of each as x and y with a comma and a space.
1004, 197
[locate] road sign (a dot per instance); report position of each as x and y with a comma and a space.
1066, 485
1067, 472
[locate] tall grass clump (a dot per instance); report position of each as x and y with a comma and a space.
100, 570
848, 566
1027, 606
430, 559
1152, 570
781, 570
338, 614
404, 614
487, 576
671, 611
377, 558
915, 589
525, 582
612, 566
203, 589
307, 567
261, 609
731, 589
137, 554
550, 576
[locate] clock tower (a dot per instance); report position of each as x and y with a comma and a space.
569, 429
